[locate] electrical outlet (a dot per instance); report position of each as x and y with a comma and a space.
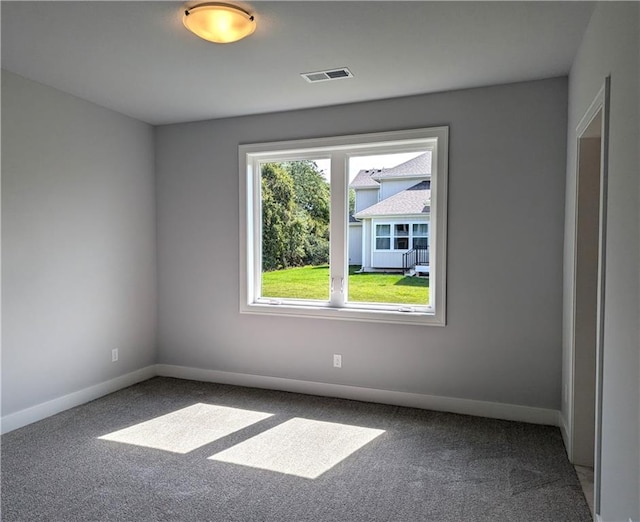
114, 355
337, 360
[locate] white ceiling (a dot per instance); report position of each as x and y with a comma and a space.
137, 58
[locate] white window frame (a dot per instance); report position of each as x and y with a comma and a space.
414, 237
338, 150
397, 237
393, 235
376, 236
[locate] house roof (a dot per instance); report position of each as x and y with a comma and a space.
363, 180
414, 200
420, 166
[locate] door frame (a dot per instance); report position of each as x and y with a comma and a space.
599, 106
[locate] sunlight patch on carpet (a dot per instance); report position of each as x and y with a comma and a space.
302, 447
184, 430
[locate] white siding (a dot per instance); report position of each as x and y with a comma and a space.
366, 244
387, 259
391, 187
355, 243
365, 198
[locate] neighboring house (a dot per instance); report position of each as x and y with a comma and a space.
390, 226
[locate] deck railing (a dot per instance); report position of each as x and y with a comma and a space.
415, 256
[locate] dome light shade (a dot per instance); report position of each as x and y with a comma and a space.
219, 23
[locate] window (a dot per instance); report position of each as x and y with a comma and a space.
401, 237
420, 236
404, 234
299, 227
383, 237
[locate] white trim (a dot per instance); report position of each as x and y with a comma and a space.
375, 313
338, 248
21, 418
493, 410
600, 306
338, 149
393, 216
586, 119
598, 518
424, 177
592, 111
600, 103
564, 430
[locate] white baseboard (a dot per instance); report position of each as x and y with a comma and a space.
598, 518
414, 400
564, 429
493, 410
16, 420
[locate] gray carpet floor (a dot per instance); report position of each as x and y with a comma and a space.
242, 454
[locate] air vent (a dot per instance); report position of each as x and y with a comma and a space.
325, 76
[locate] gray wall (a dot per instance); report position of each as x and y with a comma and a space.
78, 234
610, 46
507, 178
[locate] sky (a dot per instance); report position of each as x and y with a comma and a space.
378, 161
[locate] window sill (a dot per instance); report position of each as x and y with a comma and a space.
346, 314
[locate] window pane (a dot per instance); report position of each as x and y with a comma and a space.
402, 230
420, 242
383, 230
401, 243
390, 185
383, 243
420, 229
295, 229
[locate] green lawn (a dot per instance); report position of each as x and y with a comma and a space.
312, 282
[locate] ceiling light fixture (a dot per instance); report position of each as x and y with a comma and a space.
219, 23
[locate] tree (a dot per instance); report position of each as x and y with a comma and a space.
282, 230
312, 194
352, 202
312, 191
296, 205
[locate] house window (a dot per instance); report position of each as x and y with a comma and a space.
405, 236
420, 234
298, 217
383, 237
401, 237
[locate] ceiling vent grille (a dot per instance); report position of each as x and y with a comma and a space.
325, 76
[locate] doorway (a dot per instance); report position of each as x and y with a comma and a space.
586, 293
588, 288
